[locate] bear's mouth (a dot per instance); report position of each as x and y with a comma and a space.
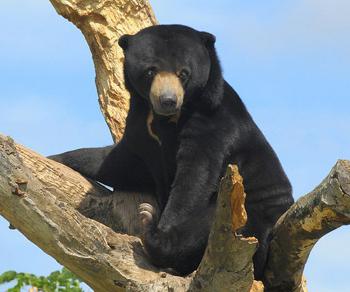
166, 93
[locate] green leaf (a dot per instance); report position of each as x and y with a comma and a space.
7, 277
63, 280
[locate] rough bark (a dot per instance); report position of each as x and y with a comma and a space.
297, 231
48, 203
41, 198
227, 262
102, 22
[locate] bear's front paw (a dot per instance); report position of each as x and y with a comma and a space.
147, 215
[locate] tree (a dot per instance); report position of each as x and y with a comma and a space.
62, 280
93, 231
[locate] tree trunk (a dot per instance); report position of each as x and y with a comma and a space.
102, 22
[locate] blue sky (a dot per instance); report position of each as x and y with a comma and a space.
288, 60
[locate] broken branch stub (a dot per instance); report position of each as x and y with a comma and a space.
227, 263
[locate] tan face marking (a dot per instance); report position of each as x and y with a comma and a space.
149, 127
165, 83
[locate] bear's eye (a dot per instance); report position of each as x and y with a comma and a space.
184, 74
151, 72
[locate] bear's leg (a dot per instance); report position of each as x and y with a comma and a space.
260, 257
179, 238
86, 161
261, 220
114, 166
180, 248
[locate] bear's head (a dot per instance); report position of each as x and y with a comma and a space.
172, 65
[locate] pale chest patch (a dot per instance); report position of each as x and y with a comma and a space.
150, 118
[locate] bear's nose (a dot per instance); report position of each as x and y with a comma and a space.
168, 101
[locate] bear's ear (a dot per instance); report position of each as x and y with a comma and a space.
208, 38
123, 41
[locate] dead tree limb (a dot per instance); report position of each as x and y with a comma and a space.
297, 231
42, 199
227, 261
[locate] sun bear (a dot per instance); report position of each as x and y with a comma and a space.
184, 126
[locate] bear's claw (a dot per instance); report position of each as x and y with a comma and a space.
147, 214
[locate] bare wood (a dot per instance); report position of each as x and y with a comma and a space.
102, 23
227, 263
297, 231
42, 199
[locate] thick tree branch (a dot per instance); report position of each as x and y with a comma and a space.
42, 199
297, 231
102, 22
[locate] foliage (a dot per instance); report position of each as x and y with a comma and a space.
63, 280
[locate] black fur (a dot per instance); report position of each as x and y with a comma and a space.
214, 129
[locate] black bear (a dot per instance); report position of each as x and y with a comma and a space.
185, 125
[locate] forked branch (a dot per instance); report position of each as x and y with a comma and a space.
48, 203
